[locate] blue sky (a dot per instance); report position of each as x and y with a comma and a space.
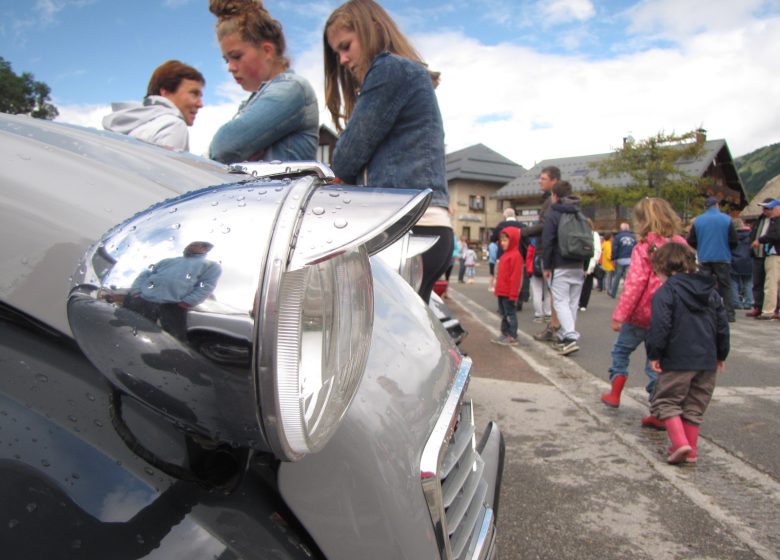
529, 79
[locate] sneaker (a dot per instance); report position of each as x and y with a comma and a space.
566, 347
753, 312
583, 308
765, 317
547, 318
504, 340
538, 319
547, 335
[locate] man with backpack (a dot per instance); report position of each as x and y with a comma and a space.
567, 241
548, 178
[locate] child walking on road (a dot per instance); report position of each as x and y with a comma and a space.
656, 223
470, 262
687, 343
508, 280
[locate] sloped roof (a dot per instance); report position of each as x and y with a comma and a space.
480, 163
770, 190
576, 169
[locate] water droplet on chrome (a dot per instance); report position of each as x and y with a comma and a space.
341, 223
318, 211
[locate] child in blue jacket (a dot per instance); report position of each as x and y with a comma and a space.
687, 343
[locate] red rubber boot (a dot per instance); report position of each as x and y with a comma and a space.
613, 397
692, 435
653, 422
680, 446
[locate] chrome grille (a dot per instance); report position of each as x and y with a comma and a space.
452, 479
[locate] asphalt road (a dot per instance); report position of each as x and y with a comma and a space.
585, 481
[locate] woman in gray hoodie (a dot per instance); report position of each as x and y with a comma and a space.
173, 97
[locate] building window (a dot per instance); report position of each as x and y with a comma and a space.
467, 233
476, 202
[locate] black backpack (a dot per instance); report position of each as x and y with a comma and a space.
575, 237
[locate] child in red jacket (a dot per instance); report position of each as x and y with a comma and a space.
508, 281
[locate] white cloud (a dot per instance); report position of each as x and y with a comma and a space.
82, 115
711, 80
208, 121
48, 9
561, 11
678, 19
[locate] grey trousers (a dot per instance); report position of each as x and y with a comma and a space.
683, 393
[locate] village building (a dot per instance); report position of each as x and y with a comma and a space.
715, 163
770, 190
474, 175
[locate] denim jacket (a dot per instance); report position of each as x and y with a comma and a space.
395, 136
280, 121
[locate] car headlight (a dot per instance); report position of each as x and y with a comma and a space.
325, 320
271, 351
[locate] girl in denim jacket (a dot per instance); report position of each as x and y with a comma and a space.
280, 120
381, 97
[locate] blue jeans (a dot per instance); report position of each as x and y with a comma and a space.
620, 272
628, 339
742, 290
508, 310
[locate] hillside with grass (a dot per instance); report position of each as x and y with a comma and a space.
758, 167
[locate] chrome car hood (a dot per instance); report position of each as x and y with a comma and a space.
84, 183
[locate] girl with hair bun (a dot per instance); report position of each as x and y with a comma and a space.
381, 97
280, 119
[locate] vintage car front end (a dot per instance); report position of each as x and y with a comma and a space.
309, 406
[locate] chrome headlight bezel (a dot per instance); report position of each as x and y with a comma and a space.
283, 357
283, 367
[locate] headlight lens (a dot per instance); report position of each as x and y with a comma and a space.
324, 333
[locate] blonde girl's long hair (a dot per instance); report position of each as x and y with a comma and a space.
377, 33
252, 22
656, 215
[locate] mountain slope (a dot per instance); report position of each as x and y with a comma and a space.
758, 167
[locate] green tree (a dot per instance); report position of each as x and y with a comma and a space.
23, 94
651, 167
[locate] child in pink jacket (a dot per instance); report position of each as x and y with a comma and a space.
656, 223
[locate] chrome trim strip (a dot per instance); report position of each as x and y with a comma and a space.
282, 169
486, 537
431, 458
433, 452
